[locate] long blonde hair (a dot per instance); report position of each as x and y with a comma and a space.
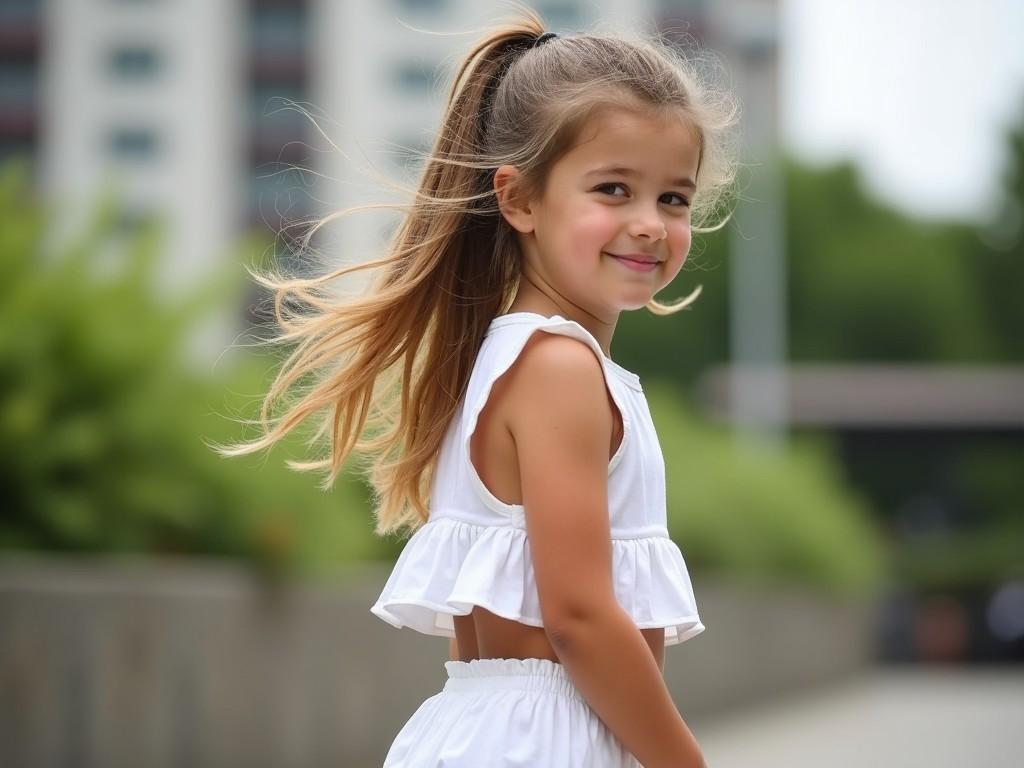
389, 367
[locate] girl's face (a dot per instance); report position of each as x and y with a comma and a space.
612, 226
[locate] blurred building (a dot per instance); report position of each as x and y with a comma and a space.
143, 95
240, 115
20, 43
279, 69
208, 115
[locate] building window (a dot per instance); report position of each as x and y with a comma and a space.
133, 143
20, 11
278, 30
280, 195
133, 220
415, 76
277, 104
134, 62
560, 16
19, 88
421, 6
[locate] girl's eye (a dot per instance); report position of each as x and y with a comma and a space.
610, 186
682, 200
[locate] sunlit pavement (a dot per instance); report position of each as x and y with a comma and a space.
900, 716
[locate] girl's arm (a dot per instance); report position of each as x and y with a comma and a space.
561, 421
453, 650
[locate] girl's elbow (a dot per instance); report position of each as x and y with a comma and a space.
566, 623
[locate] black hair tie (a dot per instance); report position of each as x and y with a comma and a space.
543, 39
512, 47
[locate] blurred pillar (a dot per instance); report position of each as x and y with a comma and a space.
749, 33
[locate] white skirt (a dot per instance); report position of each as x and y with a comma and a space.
503, 713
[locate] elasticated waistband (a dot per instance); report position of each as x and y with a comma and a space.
498, 674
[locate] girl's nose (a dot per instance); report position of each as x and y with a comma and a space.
648, 225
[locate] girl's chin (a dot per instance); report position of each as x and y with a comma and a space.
635, 301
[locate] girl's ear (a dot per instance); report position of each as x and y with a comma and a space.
511, 202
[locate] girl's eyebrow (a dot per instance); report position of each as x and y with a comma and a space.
684, 181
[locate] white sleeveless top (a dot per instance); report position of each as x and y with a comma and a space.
473, 550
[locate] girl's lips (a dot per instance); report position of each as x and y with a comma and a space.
639, 266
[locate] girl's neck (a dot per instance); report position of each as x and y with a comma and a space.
603, 332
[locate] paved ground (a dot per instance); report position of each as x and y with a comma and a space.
898, 717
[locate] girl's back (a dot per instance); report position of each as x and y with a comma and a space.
483, 634
471, 571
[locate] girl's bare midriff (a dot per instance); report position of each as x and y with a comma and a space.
484, 635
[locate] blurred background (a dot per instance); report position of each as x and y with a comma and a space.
841, 412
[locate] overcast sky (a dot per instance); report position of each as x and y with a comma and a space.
916, 91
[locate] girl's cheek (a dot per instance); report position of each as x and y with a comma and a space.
595, 222
683, 240
680, 251
675, 266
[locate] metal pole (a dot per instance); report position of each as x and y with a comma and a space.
757, 328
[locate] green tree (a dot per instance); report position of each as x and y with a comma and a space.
996, 255
103, 428
868, 284
762, 517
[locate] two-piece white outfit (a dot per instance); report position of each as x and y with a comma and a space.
474, 551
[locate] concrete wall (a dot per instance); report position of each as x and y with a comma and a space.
197, 663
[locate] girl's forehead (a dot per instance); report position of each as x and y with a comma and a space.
620, 136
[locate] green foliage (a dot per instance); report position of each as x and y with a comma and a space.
759, 516
988, 550
102, 427
997, 255
868, 284
977, 557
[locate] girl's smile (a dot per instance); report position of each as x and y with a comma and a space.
612, 226
637, 262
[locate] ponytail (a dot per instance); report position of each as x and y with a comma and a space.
383, 373
394, 363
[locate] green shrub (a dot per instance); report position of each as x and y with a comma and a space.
759, 516
103, 427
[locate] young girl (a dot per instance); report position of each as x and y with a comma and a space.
563, 189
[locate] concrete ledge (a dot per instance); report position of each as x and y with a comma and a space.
172, 662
